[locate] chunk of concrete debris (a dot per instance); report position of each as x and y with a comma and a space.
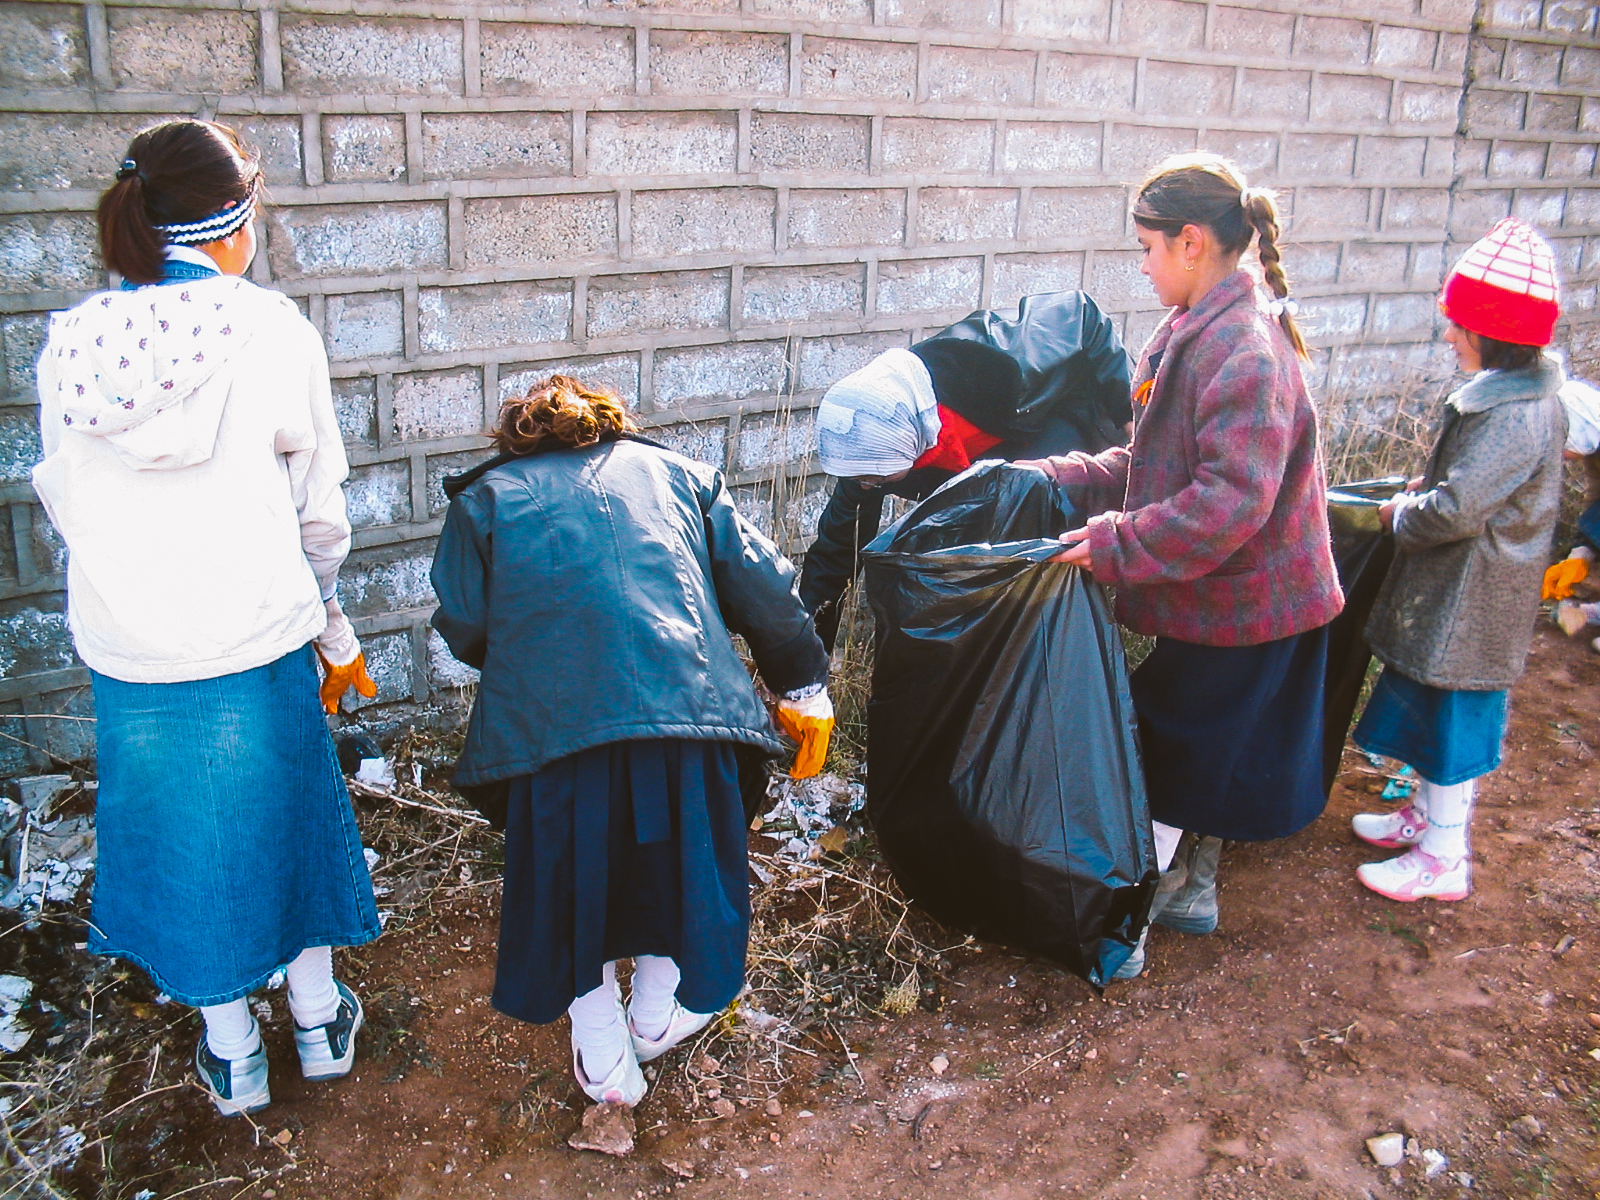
1387, 1149
1433, 1163
683, 1170
38, 792
939, 1065
14, 993
1527, 1127
607, 1129
723, 1107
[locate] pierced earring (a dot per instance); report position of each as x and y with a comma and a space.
1188, 266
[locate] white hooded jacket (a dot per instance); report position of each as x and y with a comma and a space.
192, 464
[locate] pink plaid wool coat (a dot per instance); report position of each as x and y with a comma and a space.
1220, 529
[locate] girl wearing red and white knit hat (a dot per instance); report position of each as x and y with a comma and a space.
1455, 618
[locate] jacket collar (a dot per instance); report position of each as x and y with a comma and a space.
1488, 389
1183, 326
454, 485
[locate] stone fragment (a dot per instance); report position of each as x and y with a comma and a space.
1387, 1149
607, 1128
939, 1065
1528, 1127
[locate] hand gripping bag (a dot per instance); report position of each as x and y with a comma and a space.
1003, 773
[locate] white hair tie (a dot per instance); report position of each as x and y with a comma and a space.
1279, 307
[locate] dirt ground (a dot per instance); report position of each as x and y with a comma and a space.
1251, 1063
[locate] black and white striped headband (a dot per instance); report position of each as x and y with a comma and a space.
213, 228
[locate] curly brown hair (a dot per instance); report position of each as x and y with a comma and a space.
561, 412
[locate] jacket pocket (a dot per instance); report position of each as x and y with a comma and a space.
1243, 561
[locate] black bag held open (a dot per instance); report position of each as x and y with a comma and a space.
1004, 781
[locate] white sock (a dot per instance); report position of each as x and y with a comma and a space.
1167, 839
313, 1000
597, 1027
231, 1031
1449, 808
655, 991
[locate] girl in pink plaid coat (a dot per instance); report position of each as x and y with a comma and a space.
1212, 527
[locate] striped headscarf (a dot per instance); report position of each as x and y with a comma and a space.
878, 420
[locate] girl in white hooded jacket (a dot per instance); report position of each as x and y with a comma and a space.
192, 463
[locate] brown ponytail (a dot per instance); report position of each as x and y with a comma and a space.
174, 172
558, 413
1208, 190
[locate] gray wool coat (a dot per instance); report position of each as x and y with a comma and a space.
1458, 606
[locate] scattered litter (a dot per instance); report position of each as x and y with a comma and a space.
14, 994
372, 857
1465, 1179
813, 812
1387, 1149
38, 792
1434, 1163
262, 1009
607, 1129
939, 1065
278, 980
1402, 786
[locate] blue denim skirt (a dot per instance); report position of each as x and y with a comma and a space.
227, 844
629, 848
1447, 736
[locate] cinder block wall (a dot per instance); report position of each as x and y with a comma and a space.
718, 207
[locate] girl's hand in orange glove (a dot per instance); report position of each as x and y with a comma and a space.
337, 680
1574, 569
809, 722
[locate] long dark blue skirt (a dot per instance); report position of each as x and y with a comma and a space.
1231, 736
227, 844
1447, 736
624, 849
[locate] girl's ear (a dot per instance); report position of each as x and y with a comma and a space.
1195, 240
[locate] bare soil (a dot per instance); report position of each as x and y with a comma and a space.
1251, 1063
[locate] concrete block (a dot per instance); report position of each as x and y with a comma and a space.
972, 75
754, 502
1019, 275
1568, 254
1475, 211
8, 563
356, 239
1453, 52
1512, 15
526, 230
1253, 153
1532, 62
1333, 39
1134, 149
681, 300
800, 511
798, 295
660, 143
523, 145
1391, 160
1319, 209
22, 337
324, 55
379, 494
667, 6
1570, 16
1077, 213
825, 361
703, 441
1285, 94
1082, 20
438, 404
355, 403
362, 148
857, 11
1426, 104
1554, 114
703, 220
1459, 13
1589, 120
933, 144
49, 550
44, 151
277, 142
20, 451
47, 252
847, 217
1405, 316
167, 50
1311, 262
33, 639
1089, 81
442, 466
1374, 262
1165, 25
1541, 207
733, 371
42, 45
1333, 317
1581, 66
617, 373
1138, 327
802, 142
493, 316
943, 14
1357, 99
1114, 277
364, 325
1051, 146
1517, 160
444, 670
1570, 160
390, 665
1400, 47
1317, 155
1491, 111
777, 439
1252, 31
840, 69
1187, 89
687, 62
1487, 56
556, 60
967, 214
929, 285
1424, 209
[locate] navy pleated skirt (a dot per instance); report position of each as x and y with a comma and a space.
1447, 736
1231, 736
630, 848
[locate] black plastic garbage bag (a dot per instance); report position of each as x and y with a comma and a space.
1362, 552
1003, 773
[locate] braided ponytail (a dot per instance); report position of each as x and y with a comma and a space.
1261, 210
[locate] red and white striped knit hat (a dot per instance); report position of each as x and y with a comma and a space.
1505, 287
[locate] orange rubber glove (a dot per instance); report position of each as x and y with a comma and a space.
1574, 569
337, 680
809, 722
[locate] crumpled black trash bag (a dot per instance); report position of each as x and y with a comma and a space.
1362, 552
1003, 773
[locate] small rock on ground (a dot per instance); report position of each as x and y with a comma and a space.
1387, 1149
607, 1128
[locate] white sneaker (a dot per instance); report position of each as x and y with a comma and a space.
235, 1085
1390, 831
682, 1024
328, 1051
624, 1085
1418, 875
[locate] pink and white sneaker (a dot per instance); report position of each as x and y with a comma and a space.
1390, 831
1418, 875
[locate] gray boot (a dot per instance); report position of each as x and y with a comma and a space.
1170, 885
1191, 907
